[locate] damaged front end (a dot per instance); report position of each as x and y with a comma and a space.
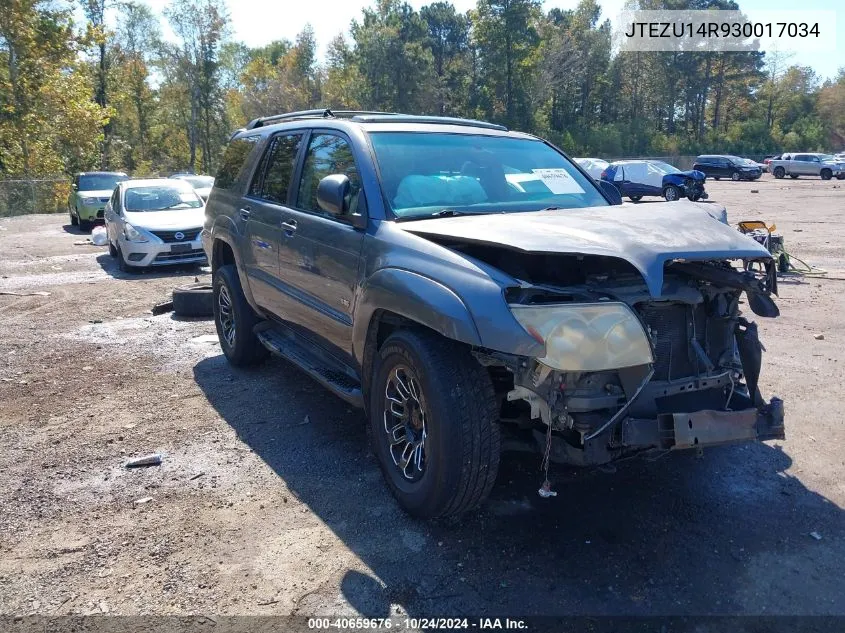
626, 371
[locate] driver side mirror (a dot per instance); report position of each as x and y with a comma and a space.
74, 186
333, 194
610, 192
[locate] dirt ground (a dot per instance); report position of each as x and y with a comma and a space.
269, 502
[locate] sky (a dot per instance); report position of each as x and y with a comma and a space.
257, 22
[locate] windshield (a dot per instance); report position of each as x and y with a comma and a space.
198, 182
178, 195
826, 157
666, 168
100, 182
426, 173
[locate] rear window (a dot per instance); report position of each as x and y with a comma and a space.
234, 159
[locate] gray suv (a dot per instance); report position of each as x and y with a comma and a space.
461, 282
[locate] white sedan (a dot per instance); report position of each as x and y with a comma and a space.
593, 166
155, 222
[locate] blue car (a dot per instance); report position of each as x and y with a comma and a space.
639, 178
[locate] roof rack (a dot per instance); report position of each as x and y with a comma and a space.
323, 113
364, 116
435, 120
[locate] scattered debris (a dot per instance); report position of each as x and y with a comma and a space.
142, 501
104, 608
197, 476
95, 321
37, 293
162, 308
307, 420
264, 603
153, 459
816, 535
85, 242
819, 337
99, 237
755, 191
206, 338
798, 230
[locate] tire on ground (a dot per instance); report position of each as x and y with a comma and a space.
194, 300
246, 349
461, 421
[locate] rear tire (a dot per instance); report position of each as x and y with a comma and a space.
793, 176
672, 193
74, 221
112, 249
779, 172
826, 174
452, 405
717, 177
235, 319
84, 225
635, 198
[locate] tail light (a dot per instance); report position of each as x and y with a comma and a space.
603, 174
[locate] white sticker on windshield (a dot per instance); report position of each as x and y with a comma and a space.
558, 180
187, 197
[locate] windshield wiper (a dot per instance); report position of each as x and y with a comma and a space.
173, 206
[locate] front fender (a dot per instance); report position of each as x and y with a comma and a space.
414, 297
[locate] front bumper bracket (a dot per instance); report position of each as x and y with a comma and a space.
706, 428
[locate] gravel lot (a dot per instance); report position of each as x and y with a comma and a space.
269, 502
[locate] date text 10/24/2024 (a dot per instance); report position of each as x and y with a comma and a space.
426, 624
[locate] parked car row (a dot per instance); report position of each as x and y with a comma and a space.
149, 222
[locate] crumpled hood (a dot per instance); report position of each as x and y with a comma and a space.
167, 220
647, 236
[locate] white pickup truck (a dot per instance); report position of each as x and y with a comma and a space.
808, 164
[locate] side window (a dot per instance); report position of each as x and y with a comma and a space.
280, 160
619, 176
802, 157
328, 154
234, 159
115, 200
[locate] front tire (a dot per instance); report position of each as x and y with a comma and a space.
793, 176
826, 174
235, 319
433, 424
84, 225
672, 193
735, 176
74, 221
635, 198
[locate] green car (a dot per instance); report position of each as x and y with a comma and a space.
90, 191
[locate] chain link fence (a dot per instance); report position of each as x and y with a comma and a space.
34, 195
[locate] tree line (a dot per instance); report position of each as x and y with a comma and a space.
81, 96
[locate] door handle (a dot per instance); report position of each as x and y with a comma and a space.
245, 211
289, 227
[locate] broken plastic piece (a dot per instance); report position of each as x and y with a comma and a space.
153, 459
546, 491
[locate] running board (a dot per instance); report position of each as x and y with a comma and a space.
286, 346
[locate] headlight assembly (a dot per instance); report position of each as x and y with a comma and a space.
586, 336
89, 202
132, 234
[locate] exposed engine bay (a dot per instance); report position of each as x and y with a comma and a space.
701, 387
